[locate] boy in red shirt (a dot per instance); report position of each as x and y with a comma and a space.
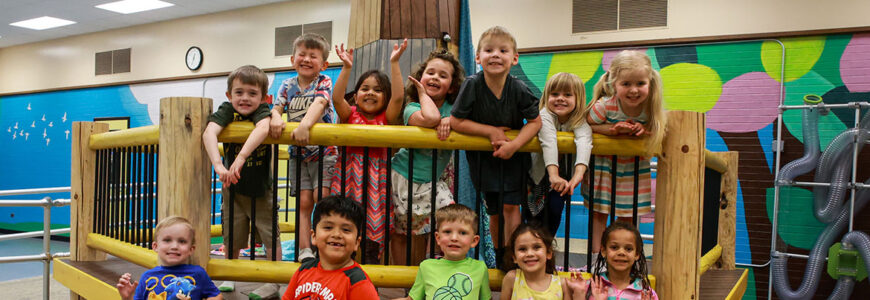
332, 274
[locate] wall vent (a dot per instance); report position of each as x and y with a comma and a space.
112, 62
603, 15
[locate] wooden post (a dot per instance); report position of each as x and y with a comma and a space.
184, 169
82, 179
679, 207
728, 212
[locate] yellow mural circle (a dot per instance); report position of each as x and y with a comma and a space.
801, 54
582, 64
691, 87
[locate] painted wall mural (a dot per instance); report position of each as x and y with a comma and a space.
738, 85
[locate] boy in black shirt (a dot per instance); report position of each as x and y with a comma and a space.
489, 103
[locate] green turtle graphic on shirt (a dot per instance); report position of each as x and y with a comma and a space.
459, 285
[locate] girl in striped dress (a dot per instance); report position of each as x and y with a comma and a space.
377, 102
627, 101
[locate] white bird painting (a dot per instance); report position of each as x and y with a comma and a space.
64, 117
67, 133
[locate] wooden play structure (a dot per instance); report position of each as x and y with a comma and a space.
183, 182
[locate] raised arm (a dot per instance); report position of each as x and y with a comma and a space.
394, 107
341, 106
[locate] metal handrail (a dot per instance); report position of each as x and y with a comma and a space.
46, 256
62, 189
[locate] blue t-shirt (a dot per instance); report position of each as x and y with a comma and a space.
165, 282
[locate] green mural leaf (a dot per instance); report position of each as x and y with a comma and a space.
537, 68
691, 87
582, 64
797, 226
801, 55
811, 83
829, 63
731, 60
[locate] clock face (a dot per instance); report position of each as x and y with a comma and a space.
193, 59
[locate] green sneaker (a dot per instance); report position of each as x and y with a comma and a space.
266, 291
227, 286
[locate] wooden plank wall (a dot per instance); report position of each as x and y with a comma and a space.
365, 22
419, 18
376, 55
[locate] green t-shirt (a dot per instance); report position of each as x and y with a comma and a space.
422, 157
255, 178
447, 279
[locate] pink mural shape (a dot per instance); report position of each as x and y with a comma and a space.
609, 54
756, 90
854, 64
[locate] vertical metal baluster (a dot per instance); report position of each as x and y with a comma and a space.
116, 211
433, 198
137, 168
477, 203
613, 171
213, 186
365, 201
298, 200
343, 168
456, 175
254, 229
275, 232
320, 150
569, 165
500, 212
155, 175
128, 203
388, 206
229, 222
591, 200
634, 219
287, 190
410, 208
97, 193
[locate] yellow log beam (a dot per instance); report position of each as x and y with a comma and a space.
284, 227
139, 136
739, 288
715, 162
418, 137
129, 252
82, 283
709, 259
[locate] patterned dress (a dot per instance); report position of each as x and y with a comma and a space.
376, 191
608, 111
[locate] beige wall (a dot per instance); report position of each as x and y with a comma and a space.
544, 23
228, 40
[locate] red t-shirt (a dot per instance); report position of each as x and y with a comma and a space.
312, 282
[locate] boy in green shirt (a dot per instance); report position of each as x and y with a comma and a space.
455, 276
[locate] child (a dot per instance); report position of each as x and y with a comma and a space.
455, 276
489, 103
306, 99
174, 277
627, 101
333, 274
372, 91
248, 177
562, 107
626, 275
531, 249
431, 90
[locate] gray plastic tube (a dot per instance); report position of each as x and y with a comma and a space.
835, 167
806, 163
816, 261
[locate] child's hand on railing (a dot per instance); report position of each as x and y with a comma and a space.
506, 149
558, 184
276, 126
622, 127
235, 171
224, 176
300, 135
126, 286
497, 136
444, 129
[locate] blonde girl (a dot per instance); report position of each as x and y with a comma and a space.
562, 106
627, 101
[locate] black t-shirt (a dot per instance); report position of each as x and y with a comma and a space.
477, 103
255, 178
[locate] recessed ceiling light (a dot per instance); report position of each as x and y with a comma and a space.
134, 6
41, 23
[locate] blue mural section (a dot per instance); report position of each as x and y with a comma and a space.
37, 132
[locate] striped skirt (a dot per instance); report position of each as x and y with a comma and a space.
603, 186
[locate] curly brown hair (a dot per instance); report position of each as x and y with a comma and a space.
455, 83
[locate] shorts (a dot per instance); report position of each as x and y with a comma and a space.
421, 206
309, 174
264, 219
510, 198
